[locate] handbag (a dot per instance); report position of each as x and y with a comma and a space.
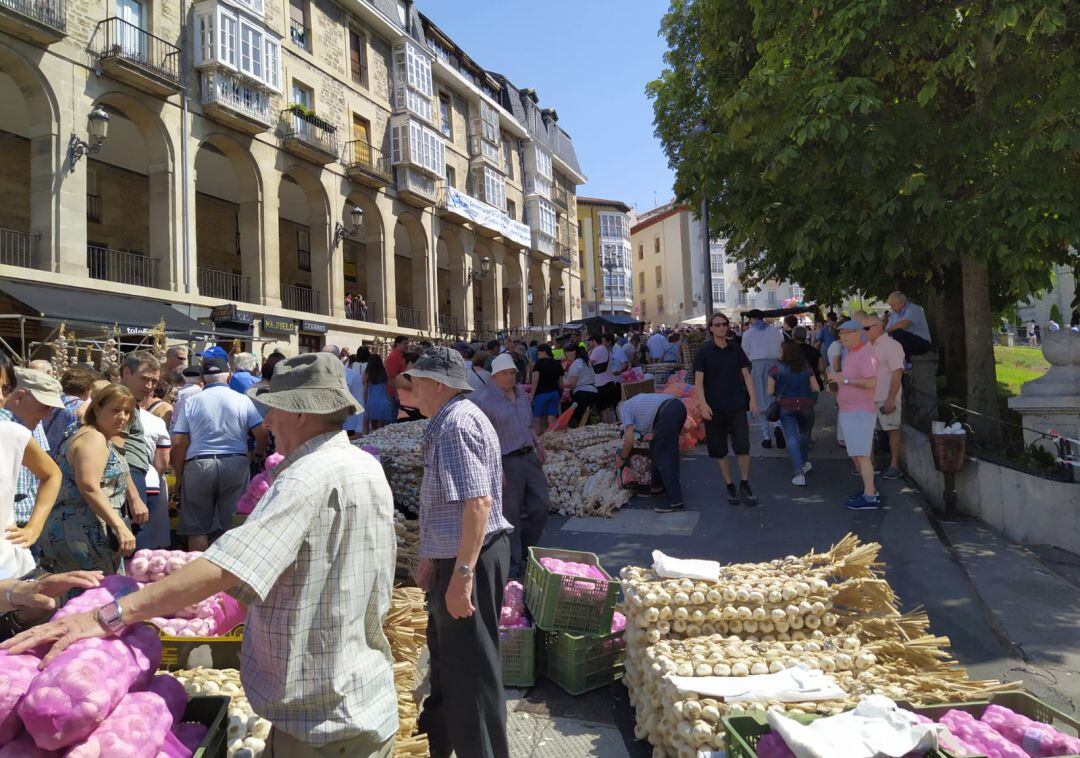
772, 413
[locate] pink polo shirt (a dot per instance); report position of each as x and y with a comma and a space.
860, 363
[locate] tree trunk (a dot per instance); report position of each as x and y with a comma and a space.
953, 347
981, 378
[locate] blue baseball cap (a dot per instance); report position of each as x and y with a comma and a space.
850, 326
214, 352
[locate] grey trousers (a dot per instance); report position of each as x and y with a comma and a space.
759, 378
526, 505
212, 486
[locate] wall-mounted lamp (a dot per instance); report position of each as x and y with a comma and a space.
97, 129
485, 269
341, 232
553, 298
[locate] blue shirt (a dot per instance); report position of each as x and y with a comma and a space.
826, 338
218, 421
916, 315
242, 381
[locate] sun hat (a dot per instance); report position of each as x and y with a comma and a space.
214, 366
444, 366
42, 387
850, 325
307, 383
503, 363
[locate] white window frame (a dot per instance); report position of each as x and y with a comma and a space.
251, 36
545, 212
272, 63
543, 162
204, 35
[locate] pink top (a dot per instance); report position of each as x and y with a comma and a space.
890, 356
860, 363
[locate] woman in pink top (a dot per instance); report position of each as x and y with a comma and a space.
855, 383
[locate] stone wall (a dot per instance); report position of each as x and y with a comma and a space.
125, 209
14, 182
1028, 508
215, 233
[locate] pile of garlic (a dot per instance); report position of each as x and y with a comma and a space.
247, 733
401, 452
580, 470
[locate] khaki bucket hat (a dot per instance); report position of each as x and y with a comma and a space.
308, 383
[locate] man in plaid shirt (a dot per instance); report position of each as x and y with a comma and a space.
314, 562
465, 557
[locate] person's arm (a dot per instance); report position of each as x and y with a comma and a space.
699, 394
140, 514
750, 389
180, 444
814, 385
894, 389
89, 458
901, 324
771, 389
41, 593
262, 438
161, 459
627, 447
474, 516
49, 478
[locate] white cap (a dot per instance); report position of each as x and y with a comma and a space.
504, 362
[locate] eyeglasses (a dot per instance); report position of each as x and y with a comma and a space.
721, 323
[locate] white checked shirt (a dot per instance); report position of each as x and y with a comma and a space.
315, 560
461, 461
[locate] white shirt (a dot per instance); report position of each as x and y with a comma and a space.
478, 377
836, 350
619, 359
156, 435
14, 561
354, 380
584, 378
600, 355
656, 346
181, 397
762, 344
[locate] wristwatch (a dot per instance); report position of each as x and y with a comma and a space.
464, 570
111, 617
846, 380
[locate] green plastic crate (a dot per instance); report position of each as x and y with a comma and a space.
213, 712
580, 663
570, 604
517, 649
742, 733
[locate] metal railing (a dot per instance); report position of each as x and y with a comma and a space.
564, 253
121, 267
299, 34
224, 285
117, 38
303, 260
17, 248
408, 317
449, 324
93, 208
370, 314
300, 298
229, 90
310, 129
360, 154
49, 12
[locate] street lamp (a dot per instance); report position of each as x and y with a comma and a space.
485, 269
609, 266
98, 130
341, 232
551, 299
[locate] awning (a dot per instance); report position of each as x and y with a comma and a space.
55, 304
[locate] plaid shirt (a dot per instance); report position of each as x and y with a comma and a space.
461, 461
315, 560
26, 486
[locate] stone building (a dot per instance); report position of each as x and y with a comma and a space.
604, 242
265, 160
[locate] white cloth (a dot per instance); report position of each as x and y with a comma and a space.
157, 437
689, 568
14, 561
354, 380
794, 685
762, 344
876, 727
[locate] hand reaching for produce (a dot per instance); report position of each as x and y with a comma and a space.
459, 597
40, 594
126, 538
140, 514
59, 634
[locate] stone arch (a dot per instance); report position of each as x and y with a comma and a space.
44, 111
452, 285
411, 271
538, 289
366, 255
515, 290
311, 281
159, 144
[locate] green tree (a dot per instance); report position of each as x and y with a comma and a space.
860, 145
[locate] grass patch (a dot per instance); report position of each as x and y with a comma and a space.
1016, 365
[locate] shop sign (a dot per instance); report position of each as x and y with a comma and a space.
312, 327
350, 270
229, 313
278, 325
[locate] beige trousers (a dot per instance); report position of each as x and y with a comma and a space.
282, 745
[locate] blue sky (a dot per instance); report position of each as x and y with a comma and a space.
590, 60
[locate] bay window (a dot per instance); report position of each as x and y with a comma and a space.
220, 31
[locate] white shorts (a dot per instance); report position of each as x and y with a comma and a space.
858, 430
887, 422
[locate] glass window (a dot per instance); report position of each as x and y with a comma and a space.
511, 209
273, 64
641, 281
717, 261
445, 122
717, 292
451, 177
358, 57
656, 245
659, 276
227, 39
640, 251
508, 158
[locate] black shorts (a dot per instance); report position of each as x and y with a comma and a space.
608, 395
585, 401
724, 423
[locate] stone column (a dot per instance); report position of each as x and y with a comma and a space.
57, 207
468, 262
1052, 402
492, 288
323, 278
165, 221
268, 282
920, 398
388, 291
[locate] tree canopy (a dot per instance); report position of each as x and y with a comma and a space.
869, 144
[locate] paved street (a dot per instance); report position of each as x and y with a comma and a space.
1034, 612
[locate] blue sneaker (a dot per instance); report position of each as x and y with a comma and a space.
863, 503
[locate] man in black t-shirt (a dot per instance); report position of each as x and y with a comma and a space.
547, 389
725, 393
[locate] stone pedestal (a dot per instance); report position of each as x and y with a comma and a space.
1052, 402
921, 396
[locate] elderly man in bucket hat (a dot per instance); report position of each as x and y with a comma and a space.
465, 555
314, 562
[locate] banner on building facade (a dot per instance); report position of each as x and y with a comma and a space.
488, 216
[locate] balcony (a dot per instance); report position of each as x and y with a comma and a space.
223, 285
564, 255
122, 267
367, 165
415, 187
18, 248
306, 135
543, 243
449, 324
300, 35
302, 299
408, 317
233, 101
40, 21
560, 197
136, 57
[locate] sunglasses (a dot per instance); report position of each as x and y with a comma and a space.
721, 323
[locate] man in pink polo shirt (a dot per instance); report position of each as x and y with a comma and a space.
856, 383
887, 394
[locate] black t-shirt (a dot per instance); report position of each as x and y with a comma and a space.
813, 356
548, 370
723, 382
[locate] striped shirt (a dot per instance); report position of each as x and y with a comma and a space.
26, 485
461, 461
315, 560
511, 419
640, 411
